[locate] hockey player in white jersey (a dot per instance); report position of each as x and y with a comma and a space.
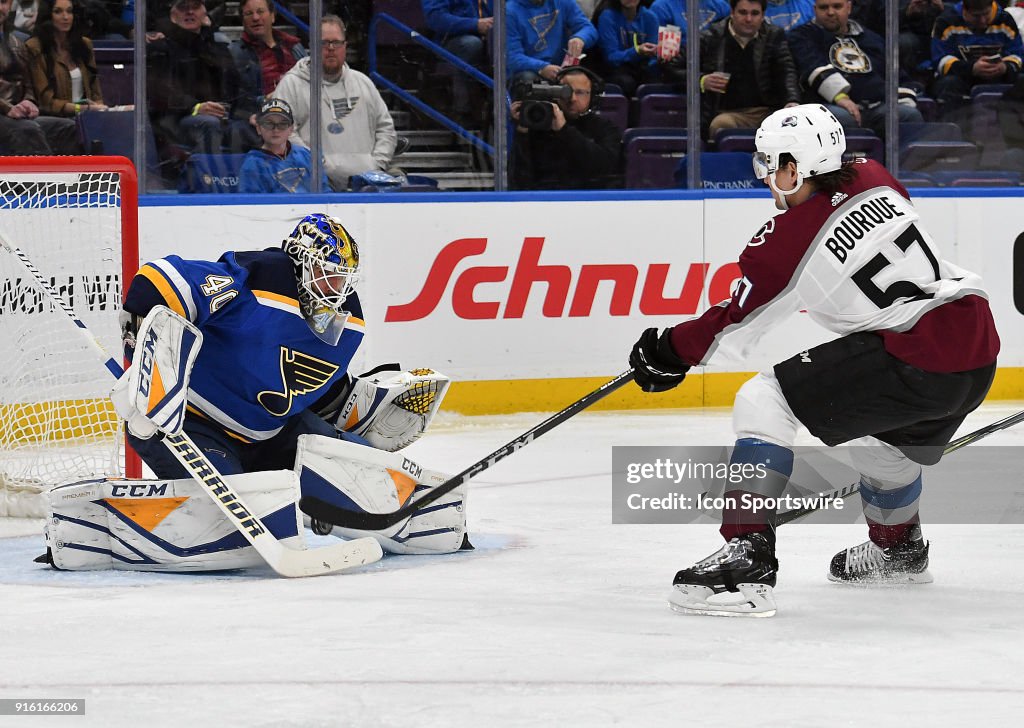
916, 353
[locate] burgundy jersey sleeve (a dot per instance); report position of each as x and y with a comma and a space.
769, 267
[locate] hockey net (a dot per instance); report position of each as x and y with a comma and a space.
76, 219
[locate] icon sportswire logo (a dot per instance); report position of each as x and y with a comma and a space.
566, 290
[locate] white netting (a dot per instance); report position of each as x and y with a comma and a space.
56, 421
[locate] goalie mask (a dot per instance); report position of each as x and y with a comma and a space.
326, 260
810, 133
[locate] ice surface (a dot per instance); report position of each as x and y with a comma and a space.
558, 618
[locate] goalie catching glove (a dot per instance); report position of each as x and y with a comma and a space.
391, 408
656, 367
152, 394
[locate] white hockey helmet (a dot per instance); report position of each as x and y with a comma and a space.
810, 133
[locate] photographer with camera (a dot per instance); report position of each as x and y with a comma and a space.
560, 143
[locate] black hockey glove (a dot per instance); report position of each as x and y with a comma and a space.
656, 368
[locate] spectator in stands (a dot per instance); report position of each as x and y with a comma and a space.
460, 27
263, 54
673, 12
747, 71
22, 130
628, 38
789, 14
356, 130
843, 64
25, 14
543, 36
62, 64
917, 17
104, 19
579, 150
979, 43
195, 95
279, 165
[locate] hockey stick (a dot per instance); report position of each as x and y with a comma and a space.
323, 511
849, 490
285, 561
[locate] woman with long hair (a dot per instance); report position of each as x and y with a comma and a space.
62, 63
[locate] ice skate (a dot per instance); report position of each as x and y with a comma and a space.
735, 581
868, 563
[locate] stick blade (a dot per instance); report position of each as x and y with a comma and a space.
335, 559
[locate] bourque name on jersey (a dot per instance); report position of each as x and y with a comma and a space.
861, 219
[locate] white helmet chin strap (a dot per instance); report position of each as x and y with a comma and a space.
783, 194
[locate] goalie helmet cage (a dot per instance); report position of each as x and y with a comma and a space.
76, 218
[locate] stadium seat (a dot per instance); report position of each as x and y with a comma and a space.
927, 107
652, 131
407, 12
916, 179
864, 143
938, 156
615, 108
211, 173
978, 178
735, 140
115, 67
651, 161
985, 128
929, 131
989, 88
113, 133
662, 110
645, 89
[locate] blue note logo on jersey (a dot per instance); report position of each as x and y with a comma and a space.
300, 374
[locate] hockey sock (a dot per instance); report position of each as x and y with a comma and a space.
772, 466
890, 512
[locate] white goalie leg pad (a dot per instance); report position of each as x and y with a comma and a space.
165, 525
392, 409
151, 395
360, 478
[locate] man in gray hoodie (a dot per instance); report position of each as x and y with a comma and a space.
357, 133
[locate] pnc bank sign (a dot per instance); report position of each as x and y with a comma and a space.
568, 290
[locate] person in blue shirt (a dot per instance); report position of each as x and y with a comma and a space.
673, 12
628, 38
278, 165
788, 14
279, 329
541, 35
461, 27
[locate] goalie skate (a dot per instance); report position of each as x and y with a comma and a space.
738, 580
868, 563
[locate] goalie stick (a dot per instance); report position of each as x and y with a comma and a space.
326, 512
282, 559
852, 489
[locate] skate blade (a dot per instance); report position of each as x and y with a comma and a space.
752, 600
924, 577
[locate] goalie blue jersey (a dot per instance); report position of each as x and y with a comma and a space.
260, 364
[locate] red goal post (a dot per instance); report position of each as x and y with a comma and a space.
76, 218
